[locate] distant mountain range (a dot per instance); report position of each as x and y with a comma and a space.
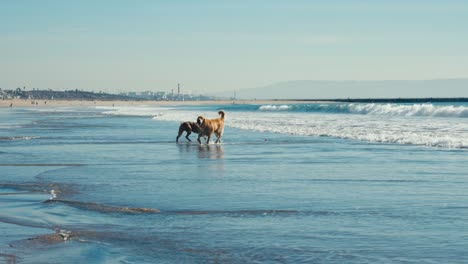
310, 89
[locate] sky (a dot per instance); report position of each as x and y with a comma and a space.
212, 46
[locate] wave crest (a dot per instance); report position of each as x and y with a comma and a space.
385, 123
274, 108
410, 110
17, 138
375, 109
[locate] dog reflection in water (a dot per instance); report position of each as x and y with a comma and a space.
202, 151
210, 152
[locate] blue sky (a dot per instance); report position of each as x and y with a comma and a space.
210, 46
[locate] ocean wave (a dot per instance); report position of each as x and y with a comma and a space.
274, 108
433, 132
410, 110
375, 109
9, 126
383, 123
424, 110
15, 138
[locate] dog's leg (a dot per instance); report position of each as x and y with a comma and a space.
188, 134
198, 139
208, 139
219, 135
180, 134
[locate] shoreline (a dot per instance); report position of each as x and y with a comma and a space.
6, 103
76, 103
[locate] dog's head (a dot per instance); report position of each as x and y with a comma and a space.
200, 120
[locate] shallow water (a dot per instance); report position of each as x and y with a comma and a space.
126, 193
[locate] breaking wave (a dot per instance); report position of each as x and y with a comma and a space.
436, 125
428, 110
274, 108
15, 138
433, 110
399, 129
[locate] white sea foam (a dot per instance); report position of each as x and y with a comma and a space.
53, 195
8, 126
409, 126
432, 110
274, 107
410, 110
14, 138
434, 132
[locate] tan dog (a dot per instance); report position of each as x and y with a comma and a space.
210, 126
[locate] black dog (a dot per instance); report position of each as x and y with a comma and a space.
188, 127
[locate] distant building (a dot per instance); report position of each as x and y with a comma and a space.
48, 94
147, 94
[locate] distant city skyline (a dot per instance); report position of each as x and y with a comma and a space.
214, 46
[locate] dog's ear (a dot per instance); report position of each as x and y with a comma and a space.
200, 120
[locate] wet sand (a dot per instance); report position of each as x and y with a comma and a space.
8, 258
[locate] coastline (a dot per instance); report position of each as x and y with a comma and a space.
75, 103
86, 103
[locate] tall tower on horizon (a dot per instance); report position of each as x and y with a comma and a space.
178, 89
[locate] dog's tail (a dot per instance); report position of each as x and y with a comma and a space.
222, 114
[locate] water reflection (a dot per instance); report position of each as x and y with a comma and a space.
204, 151
210, 157
210, 151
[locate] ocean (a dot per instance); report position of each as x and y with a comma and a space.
296, 183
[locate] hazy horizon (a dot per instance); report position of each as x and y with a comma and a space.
326, 89
211, 47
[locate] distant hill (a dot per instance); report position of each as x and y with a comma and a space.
309, 89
